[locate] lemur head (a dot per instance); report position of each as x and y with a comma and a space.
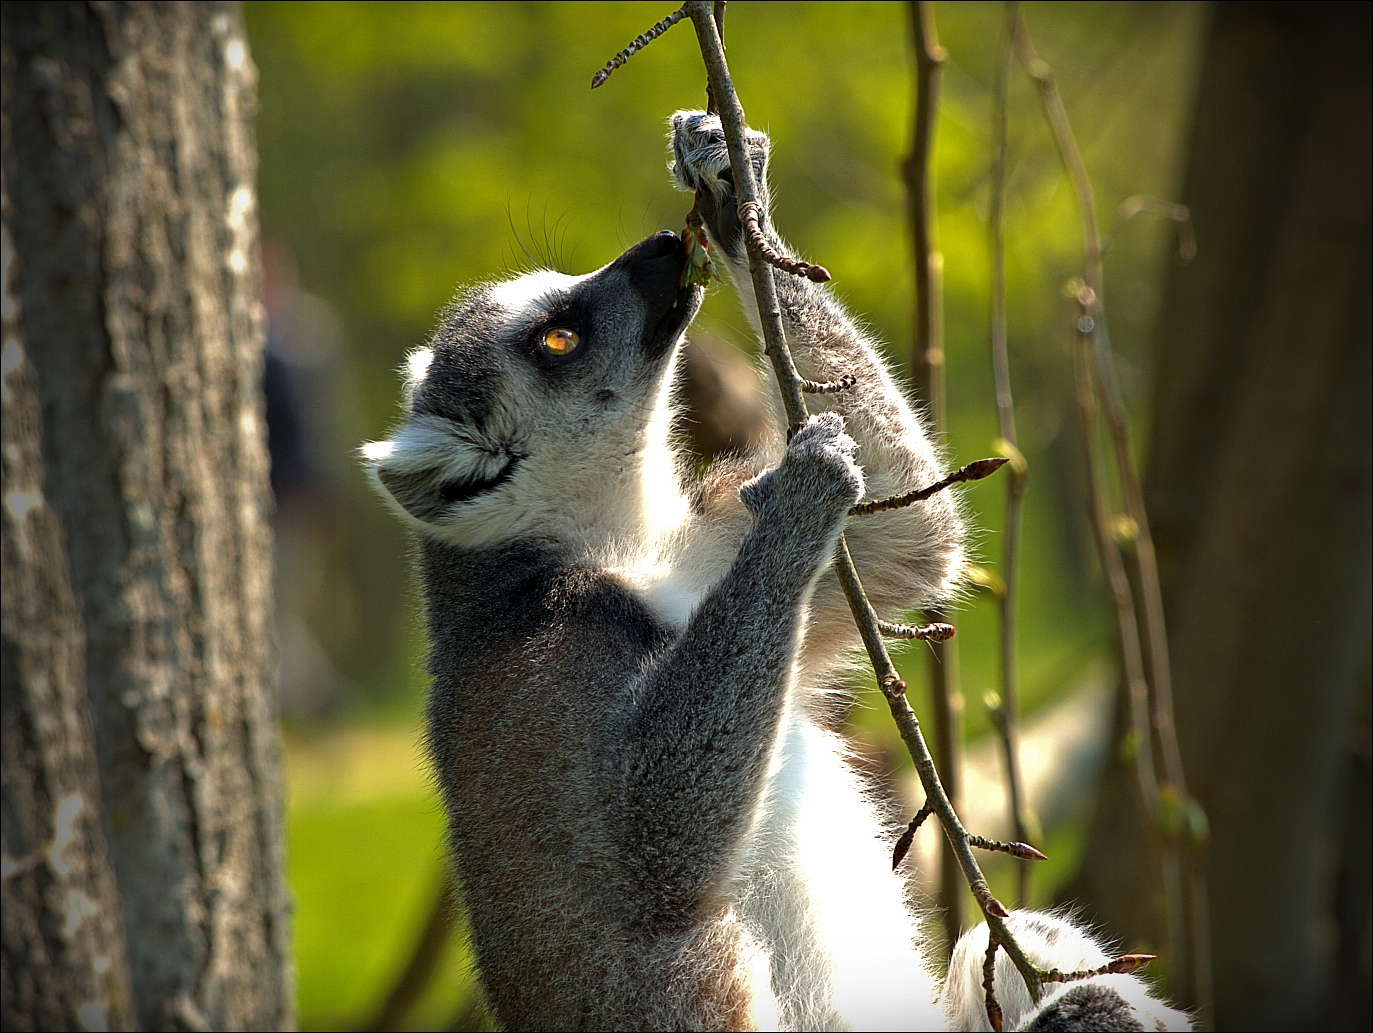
532, 408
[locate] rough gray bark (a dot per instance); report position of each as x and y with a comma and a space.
62, 958
1259, 496
130, 245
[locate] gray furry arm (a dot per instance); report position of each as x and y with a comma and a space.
695, 751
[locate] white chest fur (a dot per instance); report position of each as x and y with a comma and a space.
815, 887
817, 891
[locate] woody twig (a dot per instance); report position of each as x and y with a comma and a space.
1173, 809
893, 688
1121, 966
1138, 204
927, 365
994, 1016
751, 216
1005, 711
922, 632
828, 387
791, 387
903, 843
638, 43
974, 471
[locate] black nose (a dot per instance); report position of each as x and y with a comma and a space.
654, 267
653, 256
663, 244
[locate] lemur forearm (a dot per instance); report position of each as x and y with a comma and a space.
706, 716
706, 719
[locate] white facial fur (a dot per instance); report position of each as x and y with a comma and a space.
588, 443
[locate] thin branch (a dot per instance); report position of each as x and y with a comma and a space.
828, 387
1179, 214
1113, 404
1113, 565
1021, 850
424, 959
927, 365
717, 12
1007, 714
922, 632
751, 215
903, 843
974, 471
1092, 329
746, 189
893, 688
639, 42
994, 1017
1121, 966
1131, 652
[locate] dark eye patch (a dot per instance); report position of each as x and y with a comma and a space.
570, 314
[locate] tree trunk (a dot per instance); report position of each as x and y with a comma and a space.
1259, 496
143, 879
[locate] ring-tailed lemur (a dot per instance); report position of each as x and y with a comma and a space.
651, 829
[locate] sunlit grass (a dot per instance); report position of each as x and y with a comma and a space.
365, 863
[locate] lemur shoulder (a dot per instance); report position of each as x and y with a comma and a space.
651, 828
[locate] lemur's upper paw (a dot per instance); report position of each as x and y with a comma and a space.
817, 477
700, 157
700, 160
822, 440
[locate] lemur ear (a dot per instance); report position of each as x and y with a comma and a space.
406, 473
427, 469
414, 491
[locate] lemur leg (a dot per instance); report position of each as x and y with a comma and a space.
694, 755
905, 557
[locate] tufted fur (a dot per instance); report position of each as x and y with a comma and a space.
651, 830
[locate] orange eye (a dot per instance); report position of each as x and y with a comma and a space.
561, 341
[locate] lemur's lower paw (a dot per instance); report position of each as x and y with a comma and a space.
701, 161
817, 481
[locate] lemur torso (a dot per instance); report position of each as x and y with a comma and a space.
651, 829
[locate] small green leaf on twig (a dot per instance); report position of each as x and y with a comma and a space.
985, 580
1007, 450
1198, 827
1126, 531
700, 269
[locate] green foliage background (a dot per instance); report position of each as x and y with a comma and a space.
408, 148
